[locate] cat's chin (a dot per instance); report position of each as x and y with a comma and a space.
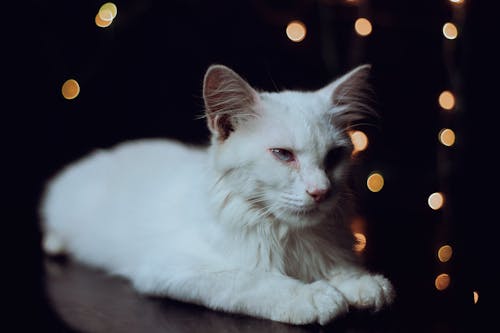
304, 217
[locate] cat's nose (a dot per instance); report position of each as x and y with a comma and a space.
318, 194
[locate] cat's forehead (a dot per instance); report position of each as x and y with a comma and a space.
297, 103
301, 119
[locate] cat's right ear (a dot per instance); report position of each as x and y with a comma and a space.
229, 100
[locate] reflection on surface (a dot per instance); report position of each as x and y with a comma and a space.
89, 300
92, 301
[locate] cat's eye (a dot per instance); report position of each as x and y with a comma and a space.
283, 154
334, 157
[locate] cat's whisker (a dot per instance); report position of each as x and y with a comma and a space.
223, 176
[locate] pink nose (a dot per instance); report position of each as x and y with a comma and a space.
318, 194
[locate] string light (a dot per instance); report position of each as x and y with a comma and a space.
450, 30
106, 14
296, 31
111, 7
444, 253
442, 281
363, 27
101, 23
475, 295
70, 89
360, 244
447, 100
447, 137
358, 229
436, 200
359, 140
375, 182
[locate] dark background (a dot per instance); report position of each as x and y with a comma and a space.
141, 77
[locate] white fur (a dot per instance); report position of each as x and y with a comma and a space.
227, 226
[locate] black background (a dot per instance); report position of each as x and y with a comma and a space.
141, 77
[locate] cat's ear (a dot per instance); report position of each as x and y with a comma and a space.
229, 100
349, 96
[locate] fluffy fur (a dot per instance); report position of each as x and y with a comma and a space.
256, 223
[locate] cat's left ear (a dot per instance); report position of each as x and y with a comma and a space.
349, 98
229, 100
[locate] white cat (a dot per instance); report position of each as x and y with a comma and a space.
257, 223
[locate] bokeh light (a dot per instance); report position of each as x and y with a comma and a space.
447, 100
444, 253
442, 281
111, 7
450, 30
106, 15
457, 2
436, 200
446, 137
70, 89
375, 182
101, 23
296, 31
359, 140
476, 296
360, 244
363, 26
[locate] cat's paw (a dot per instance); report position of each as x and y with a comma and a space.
318, 302
368, 291
328, 301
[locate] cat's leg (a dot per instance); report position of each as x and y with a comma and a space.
361, 288
256, 293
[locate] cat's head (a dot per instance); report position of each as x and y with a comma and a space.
288, 153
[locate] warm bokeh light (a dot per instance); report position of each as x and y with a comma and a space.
436, 200
296, 31
444, 253
70, 89
101, 23
447, 100
106, 15
359, 140
360, 244
442, 281
363, 26
450, 30
476, 296
111, 7
375, 182
447, 137
457, 2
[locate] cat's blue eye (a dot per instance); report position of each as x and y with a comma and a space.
283, 154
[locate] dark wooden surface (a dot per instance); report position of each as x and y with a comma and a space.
89, 300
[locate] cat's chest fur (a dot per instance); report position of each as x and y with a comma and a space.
307, 254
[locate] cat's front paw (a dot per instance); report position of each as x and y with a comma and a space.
368, 291
318, 302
